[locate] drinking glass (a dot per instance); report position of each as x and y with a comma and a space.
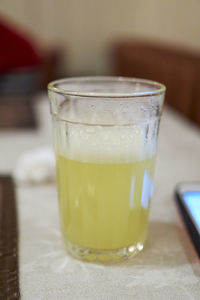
105, 136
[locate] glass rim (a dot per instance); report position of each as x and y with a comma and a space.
159, 88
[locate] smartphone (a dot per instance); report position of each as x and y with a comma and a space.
187, 195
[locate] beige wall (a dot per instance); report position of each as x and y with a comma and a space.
86, 28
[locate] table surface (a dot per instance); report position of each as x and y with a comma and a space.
168, 267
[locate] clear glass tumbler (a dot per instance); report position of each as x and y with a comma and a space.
105, 137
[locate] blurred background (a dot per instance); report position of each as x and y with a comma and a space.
47, 39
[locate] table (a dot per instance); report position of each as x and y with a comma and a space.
168, 267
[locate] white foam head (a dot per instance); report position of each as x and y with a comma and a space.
105, 144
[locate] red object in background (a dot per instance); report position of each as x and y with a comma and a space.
16, 51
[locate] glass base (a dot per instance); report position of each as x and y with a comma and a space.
103, 256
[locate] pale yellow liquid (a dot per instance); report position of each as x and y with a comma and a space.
103, 206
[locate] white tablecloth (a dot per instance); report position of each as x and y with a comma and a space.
168, 267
